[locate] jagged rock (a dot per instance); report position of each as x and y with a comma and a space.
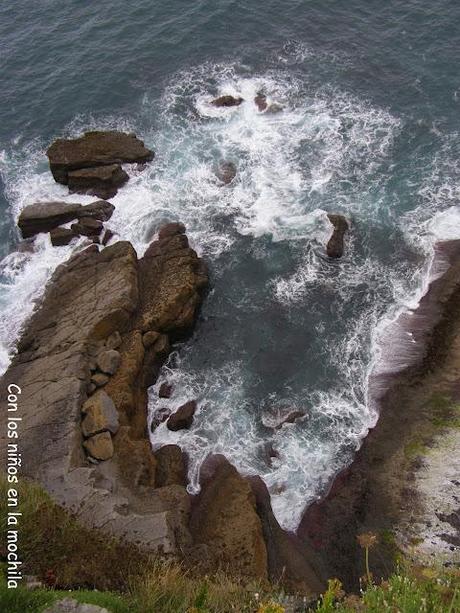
99, 446
102, 181
99, 379
95, 149
171, 229
159, 416
162, 346
183, 417
290, 562
335, 246
165, 390
87, 226
99, 414
290, 418
226, 172
61, 236
94, 294
224, 519
114, 341
150, 338
227, 101
261, 101
109, 361
171, 466
69, 605
45, 216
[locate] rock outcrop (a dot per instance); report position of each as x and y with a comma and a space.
102, 181
95, 149
226, 525
225, 101
46, 216
261, 102
335, 245
93, 460
183, 417
226, 172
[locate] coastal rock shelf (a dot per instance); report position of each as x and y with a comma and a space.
84, 371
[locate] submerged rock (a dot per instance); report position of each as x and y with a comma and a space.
335, 246
228, 100
102, 181
226, 172
93, 149
183, 417
261, 101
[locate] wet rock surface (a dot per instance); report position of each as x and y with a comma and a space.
94, 149
335, 246
226, 101
102, 181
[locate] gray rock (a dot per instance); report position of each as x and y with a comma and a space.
87, 226
102, 181
69, 605
109, 361
61, 236
100, 414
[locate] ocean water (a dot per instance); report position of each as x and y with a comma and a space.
369, 128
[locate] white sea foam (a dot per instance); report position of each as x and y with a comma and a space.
321, 153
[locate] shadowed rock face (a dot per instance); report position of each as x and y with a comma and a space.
335, 246
102, 181
93, 301
95, 149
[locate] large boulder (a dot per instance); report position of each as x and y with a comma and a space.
61, 236
335, 245
95, 149
102, 181
69, 605
87, 226
224, 520
99, 414
45, 216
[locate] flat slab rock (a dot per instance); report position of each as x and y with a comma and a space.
102, 181
98, 148
45, 216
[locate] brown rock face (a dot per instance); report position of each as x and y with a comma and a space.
61, 236
183, 417
227, 101
335, 246
95, 149
165, 390
225, 521
45, 216
102, 181
96, 300
171, 466
87, 226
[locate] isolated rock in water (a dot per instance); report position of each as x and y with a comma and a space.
261, 101
226, 172
87, 226
335, 246
102, 181
99, 446
165, 390
159, 416
61, 236
69, 605
109, 361
224, 519
171, 467
183, 417
275, 108
290, 418
45, 216
95, 149
227, 101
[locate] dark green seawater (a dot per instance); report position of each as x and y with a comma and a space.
369, 127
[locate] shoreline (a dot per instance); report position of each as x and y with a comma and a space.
379, 487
